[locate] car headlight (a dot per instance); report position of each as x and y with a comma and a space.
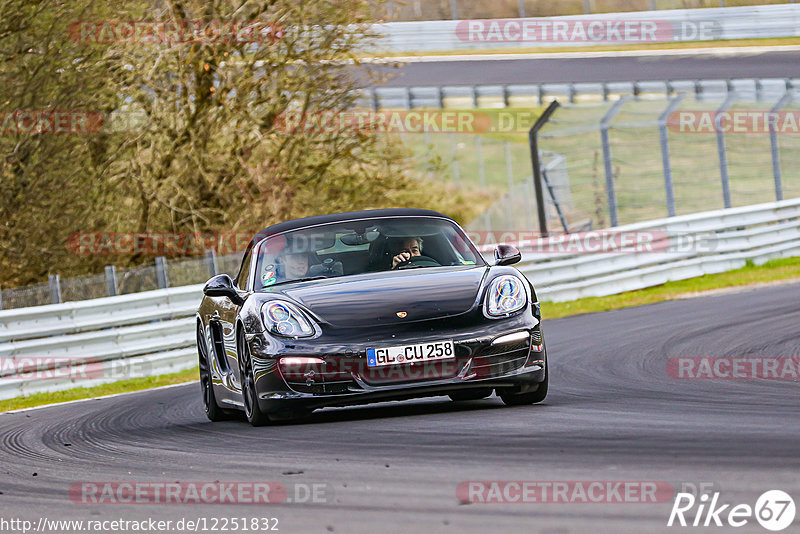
284, 319
505, 295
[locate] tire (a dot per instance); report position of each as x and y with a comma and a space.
249, 395
213, 411
529, 397
471, 394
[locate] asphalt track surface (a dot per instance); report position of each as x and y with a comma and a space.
597, 69
613, 414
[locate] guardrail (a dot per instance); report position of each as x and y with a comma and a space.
54, 347
674, 25
526, 95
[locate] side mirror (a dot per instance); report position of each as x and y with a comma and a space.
222, 286
506, 255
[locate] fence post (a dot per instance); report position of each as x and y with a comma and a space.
376, 102
510, 178
535, 163
454, 9
723, 155
55, 288
111, 280
773, 144
653, 5
1, 297
454, 153
604, 125
662, 133
587, 6
161, 272
522, 9
211, 259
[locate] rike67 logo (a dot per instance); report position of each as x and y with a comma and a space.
774, 510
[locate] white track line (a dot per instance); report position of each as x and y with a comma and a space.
716, 51
95, 398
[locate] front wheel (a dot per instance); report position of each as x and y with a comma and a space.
529, 397
213, 411
249, 394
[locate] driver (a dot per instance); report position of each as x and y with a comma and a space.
410, 246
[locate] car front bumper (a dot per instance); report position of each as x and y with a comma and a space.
345, 379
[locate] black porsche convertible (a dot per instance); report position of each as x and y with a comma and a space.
367, 306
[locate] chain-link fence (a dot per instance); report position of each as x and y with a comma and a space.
162, 273
641, 156
635, 160
407, 10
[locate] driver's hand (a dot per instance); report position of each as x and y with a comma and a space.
400, 258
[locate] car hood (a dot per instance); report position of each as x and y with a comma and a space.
377, 298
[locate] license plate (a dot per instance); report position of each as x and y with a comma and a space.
422, 352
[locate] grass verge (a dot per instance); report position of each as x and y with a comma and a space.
122, 386
774, 270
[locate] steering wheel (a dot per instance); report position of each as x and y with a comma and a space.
418, 261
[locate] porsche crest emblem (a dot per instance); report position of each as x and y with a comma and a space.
402, 314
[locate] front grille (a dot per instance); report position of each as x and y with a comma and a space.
498, 364
502, 348
321, 388
536, 337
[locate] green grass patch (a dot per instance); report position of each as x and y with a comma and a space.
780, 269
122, 386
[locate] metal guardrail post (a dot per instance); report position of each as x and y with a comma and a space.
587, 6
211, 260
474, 96
662, 133
606, 145
161, 272
111, 281
440, 95
506, 97
521, 9
454, 9
722, 152
537, 169
773, 144
1, 297
55, 288
408, 98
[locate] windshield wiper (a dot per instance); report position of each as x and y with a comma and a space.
306, 279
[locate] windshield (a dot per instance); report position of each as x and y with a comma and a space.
362, 246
